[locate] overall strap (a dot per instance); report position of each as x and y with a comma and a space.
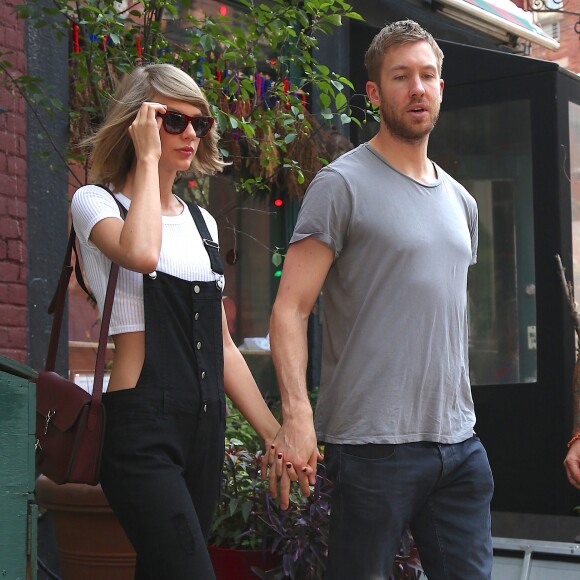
211, 247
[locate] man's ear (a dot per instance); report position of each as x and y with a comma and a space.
373, 93
441, 85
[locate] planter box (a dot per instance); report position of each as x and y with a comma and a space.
230, 564
91, 543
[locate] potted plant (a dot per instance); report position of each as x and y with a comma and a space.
240, 536
301, 532
90, 540
302, 538
274, 103
257, 539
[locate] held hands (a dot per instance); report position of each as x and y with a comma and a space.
291, 457
572, 464
144, 131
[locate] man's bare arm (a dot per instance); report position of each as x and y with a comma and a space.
305, 268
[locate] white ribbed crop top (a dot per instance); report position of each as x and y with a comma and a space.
182, 255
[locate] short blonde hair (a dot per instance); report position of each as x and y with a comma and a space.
113, 152
395, 34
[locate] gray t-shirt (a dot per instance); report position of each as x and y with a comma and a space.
394, 346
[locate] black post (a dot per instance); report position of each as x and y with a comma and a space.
47, 195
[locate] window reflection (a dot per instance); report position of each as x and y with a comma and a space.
488, 150
574, 111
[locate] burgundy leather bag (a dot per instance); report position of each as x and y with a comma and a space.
70, 423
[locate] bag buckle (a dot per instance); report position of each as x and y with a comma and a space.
49, 417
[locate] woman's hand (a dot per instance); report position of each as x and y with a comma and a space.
282, 474
572, 464
144, 131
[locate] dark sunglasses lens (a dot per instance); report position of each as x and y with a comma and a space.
175, 123
202, 125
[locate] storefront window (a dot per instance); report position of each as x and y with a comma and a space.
574, 111
250, 229
488, 150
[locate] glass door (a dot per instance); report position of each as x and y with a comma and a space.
487, 148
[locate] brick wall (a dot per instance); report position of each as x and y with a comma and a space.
568, 55
13, 256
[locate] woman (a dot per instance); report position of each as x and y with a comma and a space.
164, 445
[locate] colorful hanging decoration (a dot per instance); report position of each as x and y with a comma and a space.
75, 39
138, 45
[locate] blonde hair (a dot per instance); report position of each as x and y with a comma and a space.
395, 34
113, 152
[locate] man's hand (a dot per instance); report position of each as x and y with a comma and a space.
292, 457
572, 464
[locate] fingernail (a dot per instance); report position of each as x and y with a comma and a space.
279, 456
304, 470
288, 465
272, 446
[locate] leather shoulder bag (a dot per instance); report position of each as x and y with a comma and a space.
70, 422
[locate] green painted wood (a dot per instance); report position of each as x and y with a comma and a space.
17, 471
16, 368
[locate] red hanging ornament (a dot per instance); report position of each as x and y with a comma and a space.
138, 45
75, 39
286, 84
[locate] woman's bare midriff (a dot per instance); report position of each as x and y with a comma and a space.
128, 362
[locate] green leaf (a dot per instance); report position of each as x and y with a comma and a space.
289, 138
206, 42
276, 258
335, 19
324, 100
323, 69
340, 101
345, 119
354, 16
246, 510
233, 506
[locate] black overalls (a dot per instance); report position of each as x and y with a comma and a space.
164, 442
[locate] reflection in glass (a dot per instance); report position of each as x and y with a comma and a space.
574, 110
488, 150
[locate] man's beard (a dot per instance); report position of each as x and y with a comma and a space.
406, 130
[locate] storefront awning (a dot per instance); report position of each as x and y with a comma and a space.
501, 15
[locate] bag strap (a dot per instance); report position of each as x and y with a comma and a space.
57, 307
211, 247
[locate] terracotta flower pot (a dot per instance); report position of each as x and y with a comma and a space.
90, 541
230, 564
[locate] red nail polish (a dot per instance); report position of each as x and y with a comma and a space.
288, 465
279, 456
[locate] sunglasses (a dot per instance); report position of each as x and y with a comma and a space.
176, 123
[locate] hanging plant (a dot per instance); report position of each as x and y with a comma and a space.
256, 63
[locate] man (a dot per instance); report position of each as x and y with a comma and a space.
388, 237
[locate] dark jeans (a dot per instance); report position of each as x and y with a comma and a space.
441, 492
161, 472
